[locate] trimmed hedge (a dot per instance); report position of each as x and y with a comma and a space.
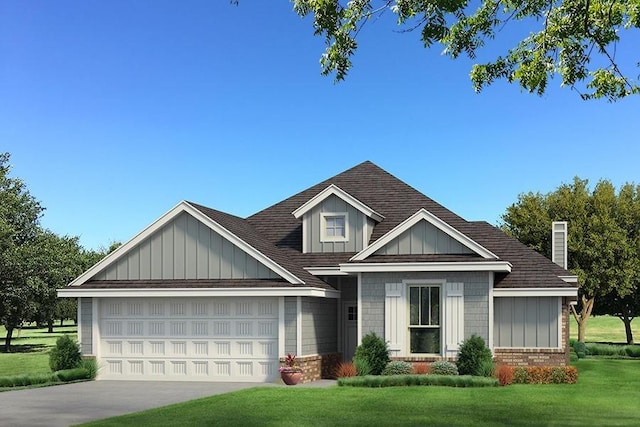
63, 376
418, 380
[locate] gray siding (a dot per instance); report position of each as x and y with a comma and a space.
423, 239
476, 299
355, 226
86, 325
186, 249
319, 325
290, 325
526, 322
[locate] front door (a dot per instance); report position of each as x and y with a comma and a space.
350, 322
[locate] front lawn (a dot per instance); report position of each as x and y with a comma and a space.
30, 351
606, 329
606, 394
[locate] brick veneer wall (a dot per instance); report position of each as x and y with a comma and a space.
539, 356
317, 366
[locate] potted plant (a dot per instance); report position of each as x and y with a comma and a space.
290, 373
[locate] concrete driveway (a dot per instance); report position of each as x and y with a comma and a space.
68, 404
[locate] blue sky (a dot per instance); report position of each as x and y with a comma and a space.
115, 111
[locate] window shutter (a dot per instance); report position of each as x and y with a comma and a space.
395, 324
454, 318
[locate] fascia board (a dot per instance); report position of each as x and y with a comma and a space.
569, 279
164, 219
495, 266
325, 271
420, 215
535, 292
194, 292
334, 190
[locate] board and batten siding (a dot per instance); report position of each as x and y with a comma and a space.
290, 325
475, 294
355, 227
527, 322
319, 325
86, 325
185, 248
423, 239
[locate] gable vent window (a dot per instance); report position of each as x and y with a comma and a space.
334, 227
424, 319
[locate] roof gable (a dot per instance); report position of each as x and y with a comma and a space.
238, 251
467, 244
334, 190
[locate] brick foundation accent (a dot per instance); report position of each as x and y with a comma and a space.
317, 366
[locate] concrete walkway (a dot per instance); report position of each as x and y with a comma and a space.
64, 405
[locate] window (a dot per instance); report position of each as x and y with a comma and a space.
334, 227
424, 319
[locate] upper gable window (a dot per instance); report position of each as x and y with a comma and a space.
334, 227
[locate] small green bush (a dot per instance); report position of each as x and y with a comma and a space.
442, 367
573, 357
520, 375
473, 353
487, 369
398, 367
65, 355
73, 374
375, 351
417, 380
362, 366
558, 375
595, 349
91, 365
581, 349
632, 351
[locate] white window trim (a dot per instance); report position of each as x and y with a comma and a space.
427, 282
323, 227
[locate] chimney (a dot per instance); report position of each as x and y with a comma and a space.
559, 243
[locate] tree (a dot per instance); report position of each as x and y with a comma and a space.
576, 39
625, 308
19, 223
603, 240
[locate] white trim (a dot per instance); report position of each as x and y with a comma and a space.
199, 292
341, 194
569, 279
359, 308
323, 227
535, 292
164, 219
560, 323
281, 327
365, 233
441, 283
299, 326
326, 271
382, 267
491, 320
425, 215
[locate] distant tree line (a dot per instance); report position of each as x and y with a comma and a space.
603, 243
34, 262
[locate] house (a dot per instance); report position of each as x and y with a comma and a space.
204, 295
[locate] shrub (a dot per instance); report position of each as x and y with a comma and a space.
417, 380
520, 375
65, 355
595, 349
558, 375
443, 367
421, 368
504, 374
632, 351
91, 365
573, 357
473, 353
487, 369
346, 369
362, 366
581, 349
375, 351
398, 367
571, 374
73, 374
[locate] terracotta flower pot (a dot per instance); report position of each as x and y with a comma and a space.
291, 378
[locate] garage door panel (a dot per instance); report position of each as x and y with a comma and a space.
209, 339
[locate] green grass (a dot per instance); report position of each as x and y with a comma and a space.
606, 394
607, 329
30, 351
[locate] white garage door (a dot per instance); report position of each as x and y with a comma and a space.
189, 339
